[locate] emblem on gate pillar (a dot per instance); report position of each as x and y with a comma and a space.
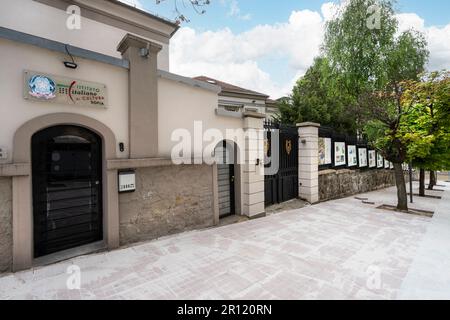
288, 147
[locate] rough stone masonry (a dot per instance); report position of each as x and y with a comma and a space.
335, 184
167, 200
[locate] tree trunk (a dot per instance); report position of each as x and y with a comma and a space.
402, 196
422, 183
433, 181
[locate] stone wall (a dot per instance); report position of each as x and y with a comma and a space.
5, 224
167, 200
343, 183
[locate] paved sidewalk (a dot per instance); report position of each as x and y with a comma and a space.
342, 249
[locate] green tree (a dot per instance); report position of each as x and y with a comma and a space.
428, 125
370, 64
317, 97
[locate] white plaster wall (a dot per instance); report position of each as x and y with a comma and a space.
180, 105
15, 110
48, 22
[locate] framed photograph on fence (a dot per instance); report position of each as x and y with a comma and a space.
339, 154
352, 156
386, 164
324, 151
362, 156
372, 159
380, 161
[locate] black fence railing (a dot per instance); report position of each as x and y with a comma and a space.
340, 151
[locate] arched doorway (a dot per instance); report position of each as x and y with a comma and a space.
227, 172
67, 188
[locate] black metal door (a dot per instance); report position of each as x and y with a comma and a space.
67, 188
283, 185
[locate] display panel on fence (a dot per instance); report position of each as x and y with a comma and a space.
372, 159
325, 151
362, 157
380, 161
352, 156
338, 151
339, 154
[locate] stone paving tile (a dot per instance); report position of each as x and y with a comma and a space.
325, 251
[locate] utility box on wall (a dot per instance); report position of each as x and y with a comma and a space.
127, 181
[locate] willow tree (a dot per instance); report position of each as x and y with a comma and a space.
371, 62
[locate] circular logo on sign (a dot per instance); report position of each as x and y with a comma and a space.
42, 87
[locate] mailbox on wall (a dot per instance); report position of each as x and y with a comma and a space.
127, 181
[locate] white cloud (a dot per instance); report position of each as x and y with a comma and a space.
234, 57
234, 10
437, 38
237, 57
330, 10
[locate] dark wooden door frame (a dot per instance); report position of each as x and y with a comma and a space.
63, 229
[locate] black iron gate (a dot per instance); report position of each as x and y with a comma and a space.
282, 185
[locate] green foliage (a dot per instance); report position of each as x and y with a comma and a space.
423, 131
317, 98
427, 125
358, 54
371, 64
357, 78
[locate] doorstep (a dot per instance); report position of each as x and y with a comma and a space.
69, 254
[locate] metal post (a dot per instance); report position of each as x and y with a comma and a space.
411, 183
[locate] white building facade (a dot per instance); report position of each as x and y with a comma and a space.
86, 153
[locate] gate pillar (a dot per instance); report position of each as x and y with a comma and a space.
253, 173
308, 161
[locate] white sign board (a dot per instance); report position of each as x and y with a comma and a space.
127, 181
352, 156
372, 159
362, 152
339, 154
380, 161
324, 151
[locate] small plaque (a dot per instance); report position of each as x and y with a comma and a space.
127, 181
3, 153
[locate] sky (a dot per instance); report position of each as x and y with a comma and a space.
267, 45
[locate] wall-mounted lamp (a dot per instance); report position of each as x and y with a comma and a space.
145, 52
258, 161
121, 147
70, 64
